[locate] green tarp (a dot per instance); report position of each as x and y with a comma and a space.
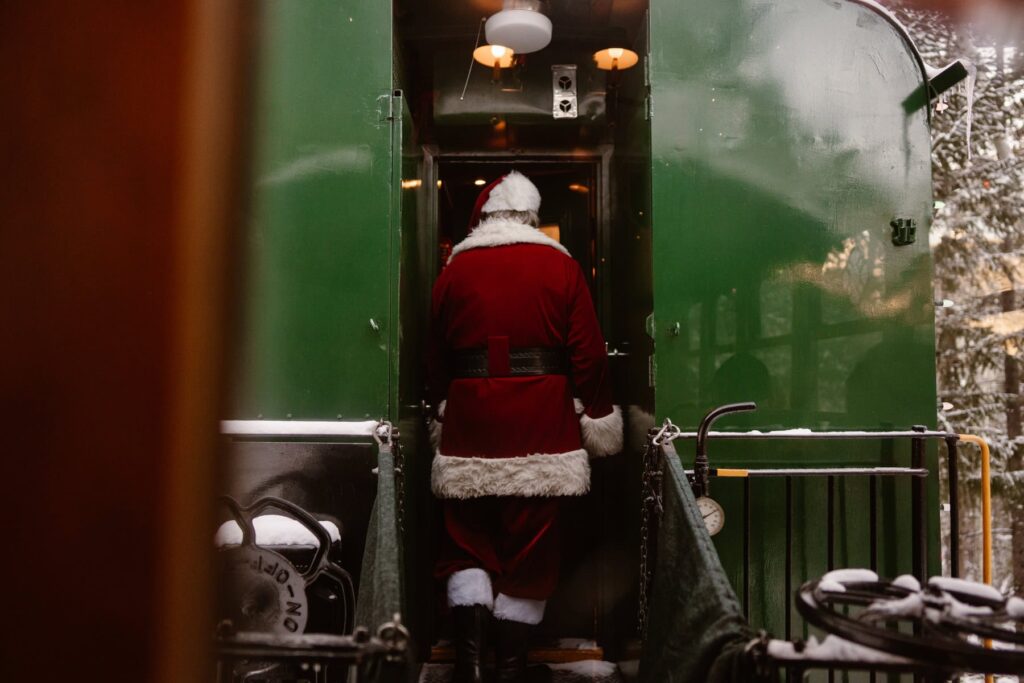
696, 631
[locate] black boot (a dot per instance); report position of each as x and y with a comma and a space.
470, 629
510, 652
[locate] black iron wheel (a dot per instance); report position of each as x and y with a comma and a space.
944, 626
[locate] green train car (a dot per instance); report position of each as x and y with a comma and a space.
750, 202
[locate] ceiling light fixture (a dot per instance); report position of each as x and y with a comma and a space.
479, 182
615, 59
521, 26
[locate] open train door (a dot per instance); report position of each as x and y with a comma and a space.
315, 412
791, 202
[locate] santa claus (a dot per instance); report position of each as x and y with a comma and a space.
519, 374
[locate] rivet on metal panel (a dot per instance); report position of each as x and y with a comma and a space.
374, 325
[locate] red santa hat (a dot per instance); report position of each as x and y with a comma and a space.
511, 192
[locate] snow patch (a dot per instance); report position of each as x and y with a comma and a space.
576, 644
591, 668
274, 530
960, 610
850, 576
1015, 608
907, 581
831, 586
832, 648
972, 588
910, 607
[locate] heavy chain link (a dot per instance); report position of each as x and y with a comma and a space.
650, 496
389, 437
651, 511
399, 456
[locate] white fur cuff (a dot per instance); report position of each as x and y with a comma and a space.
558, 474
603, 435
470, 587
523, 610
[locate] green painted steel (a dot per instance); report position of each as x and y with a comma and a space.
781, 151
318, 315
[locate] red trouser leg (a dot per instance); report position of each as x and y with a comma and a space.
516, 540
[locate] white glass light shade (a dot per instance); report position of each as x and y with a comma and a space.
489, 54
521, 30
613, 58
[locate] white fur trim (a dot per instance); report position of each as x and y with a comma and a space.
514, 193
603, 435
559, 474
501, 233
523, 610
470, 587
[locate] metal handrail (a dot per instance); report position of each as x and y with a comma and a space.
298, 428
986, 516
986, 505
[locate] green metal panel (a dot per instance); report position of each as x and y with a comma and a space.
318, 320
781, 151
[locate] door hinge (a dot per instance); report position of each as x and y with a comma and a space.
652, 370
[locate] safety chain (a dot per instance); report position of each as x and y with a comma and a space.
389, 437
399, 456
651, 497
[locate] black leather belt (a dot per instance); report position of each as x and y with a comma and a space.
522, 362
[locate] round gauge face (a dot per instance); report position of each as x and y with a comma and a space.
713, 514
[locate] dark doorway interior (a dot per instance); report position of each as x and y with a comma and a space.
570, 201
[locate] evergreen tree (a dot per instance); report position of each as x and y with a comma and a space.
978, 247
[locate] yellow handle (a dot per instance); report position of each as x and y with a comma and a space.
986, 515
986, 506
722, 472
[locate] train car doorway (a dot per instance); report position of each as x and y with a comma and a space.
574, 202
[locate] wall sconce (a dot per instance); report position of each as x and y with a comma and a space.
615, 59
497, 57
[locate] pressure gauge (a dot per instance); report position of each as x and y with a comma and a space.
713, 514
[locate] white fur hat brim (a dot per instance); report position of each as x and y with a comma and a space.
514, 193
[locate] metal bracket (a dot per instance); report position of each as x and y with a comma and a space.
904, 231
563, 91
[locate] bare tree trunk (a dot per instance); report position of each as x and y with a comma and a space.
1011, 377
1011, 386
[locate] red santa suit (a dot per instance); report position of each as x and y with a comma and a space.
513, 443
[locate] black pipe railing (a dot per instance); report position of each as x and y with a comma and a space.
917, 473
